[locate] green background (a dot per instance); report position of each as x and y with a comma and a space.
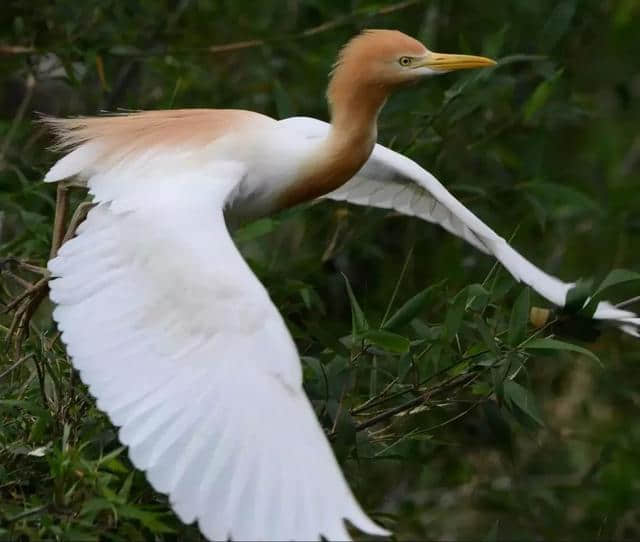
509, 441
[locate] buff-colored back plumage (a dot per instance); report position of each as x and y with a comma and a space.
145, 128
109, 139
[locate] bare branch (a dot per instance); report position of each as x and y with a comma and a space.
16, 50
314, 30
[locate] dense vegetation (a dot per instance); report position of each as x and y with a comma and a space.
453, 416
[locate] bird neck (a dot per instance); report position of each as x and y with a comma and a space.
354, 115
354, 118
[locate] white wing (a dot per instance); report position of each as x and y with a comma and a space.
184, 350
393, 181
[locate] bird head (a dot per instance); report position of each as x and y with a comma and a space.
382, 60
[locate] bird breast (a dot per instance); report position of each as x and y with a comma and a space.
276, 160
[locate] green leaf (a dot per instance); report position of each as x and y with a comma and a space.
554, 344
359, 322
149, 519
523, 399
494, 43
28, 406
487, 337
615, 277
411, 308
326, 339
519, 318
255, 229
478, 297
561, 194
539, 97
557, 24
111, 455
405, 363
391, 342
455, 314
126, 487
498, 425
578, 295
95, 505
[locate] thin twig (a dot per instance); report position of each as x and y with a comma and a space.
364, 405
29, 291
397, 288
236, 46
457, 416
7, 262
244, 44
313, 31
49, 346
16, 50
27, 513
62, 205
22, 282
339, 410
79, 215
416, 401
15, 365
426, 380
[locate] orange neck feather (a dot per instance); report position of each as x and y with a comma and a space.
354, 105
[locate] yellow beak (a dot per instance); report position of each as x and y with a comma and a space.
444, 62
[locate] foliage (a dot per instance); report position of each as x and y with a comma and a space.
453, 416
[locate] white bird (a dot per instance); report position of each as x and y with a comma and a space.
172, 332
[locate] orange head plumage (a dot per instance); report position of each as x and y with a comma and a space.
376, 62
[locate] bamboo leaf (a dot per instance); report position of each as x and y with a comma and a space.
411, 308
359, 322
615, 277
578, 295
557, 24
455, 314
522, 398
391, 342
554, 344
519, 318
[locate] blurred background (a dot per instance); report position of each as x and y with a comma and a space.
508, 442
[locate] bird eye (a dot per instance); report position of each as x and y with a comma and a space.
404, 60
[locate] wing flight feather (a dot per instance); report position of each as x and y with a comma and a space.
184, 350
392, 181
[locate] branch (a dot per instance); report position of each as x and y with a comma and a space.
248, 44
314, 30
382, 397
453, 382
16, 50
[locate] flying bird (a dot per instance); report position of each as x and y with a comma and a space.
174, 335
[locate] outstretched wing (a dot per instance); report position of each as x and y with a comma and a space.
393, 181
184, 350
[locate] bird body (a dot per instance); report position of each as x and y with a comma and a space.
174, 335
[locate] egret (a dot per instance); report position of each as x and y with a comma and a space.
174, 335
